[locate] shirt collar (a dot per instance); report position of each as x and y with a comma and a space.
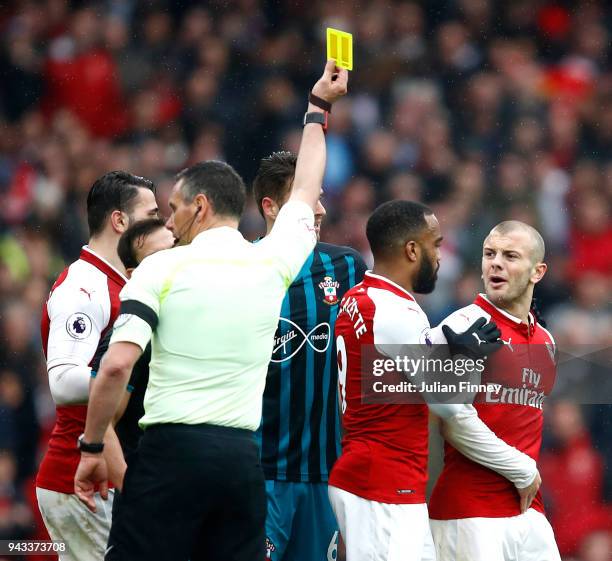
91, 257
219, 233
482, 298
379, 279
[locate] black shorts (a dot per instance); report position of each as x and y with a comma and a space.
191, 492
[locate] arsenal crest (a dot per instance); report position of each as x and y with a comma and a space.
329, 287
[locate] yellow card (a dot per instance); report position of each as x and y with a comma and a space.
340, 48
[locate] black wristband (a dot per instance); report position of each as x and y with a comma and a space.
320, 103
316, 117
89, 447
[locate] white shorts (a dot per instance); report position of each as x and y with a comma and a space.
526, 537
375, 531
69, 520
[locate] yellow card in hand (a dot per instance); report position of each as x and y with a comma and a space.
340, 48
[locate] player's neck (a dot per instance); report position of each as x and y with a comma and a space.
390, 272
518, 308
106, 248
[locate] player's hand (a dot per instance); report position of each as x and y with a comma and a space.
527, 494
91, 471
477, 341
333, 84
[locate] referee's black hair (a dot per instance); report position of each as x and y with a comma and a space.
115, 190
393, 224
133, 238
221, 184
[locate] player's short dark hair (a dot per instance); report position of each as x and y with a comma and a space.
115, 190
133, 238
395, 223
274, 178
221, 184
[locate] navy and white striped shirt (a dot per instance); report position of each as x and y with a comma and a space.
300, 430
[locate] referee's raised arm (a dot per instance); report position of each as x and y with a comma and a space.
310, 165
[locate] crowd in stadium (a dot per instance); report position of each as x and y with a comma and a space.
484, 110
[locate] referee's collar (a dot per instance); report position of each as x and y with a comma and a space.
217, 234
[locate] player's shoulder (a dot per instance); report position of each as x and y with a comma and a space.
545, 335
393, 306
338, 251
466, 316
81, 280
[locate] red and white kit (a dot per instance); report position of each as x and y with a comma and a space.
377, 486
467, 493
82, 305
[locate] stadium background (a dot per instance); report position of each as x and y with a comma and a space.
484, 110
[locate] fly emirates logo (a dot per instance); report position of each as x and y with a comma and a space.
529, 393
350, 307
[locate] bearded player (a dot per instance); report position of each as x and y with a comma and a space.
377, 486
476, 514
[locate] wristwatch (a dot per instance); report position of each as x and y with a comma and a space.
316, 117
89, 447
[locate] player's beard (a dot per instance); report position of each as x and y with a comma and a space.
426, 277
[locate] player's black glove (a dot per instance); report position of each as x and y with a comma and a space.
479, 340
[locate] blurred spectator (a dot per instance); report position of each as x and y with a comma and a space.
577, 514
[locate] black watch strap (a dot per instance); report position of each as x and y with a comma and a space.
89, 447
319, 102
316, 117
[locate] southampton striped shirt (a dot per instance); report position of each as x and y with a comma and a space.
300, 431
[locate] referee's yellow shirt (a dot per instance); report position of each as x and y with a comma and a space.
212, 308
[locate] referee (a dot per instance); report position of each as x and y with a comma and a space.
195, 489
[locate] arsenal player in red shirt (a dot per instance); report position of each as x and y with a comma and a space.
476, 514
377, 486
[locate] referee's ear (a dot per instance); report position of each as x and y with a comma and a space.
201, 203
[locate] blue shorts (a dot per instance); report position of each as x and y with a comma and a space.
300, 525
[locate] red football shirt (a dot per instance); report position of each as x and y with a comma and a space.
82, 305
385, 446
525, 367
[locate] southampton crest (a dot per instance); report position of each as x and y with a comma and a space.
329, 287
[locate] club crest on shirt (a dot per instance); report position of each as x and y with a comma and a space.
78, 326
329, 286
270, 548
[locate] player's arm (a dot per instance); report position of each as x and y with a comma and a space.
465, 430
95, 366
76, 322
310, 165
394, 333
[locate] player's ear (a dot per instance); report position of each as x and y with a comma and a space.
269, 208
119, 221
411, 250
539, 271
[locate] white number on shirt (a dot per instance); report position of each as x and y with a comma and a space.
342, 368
